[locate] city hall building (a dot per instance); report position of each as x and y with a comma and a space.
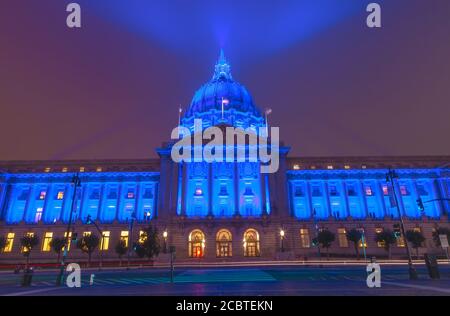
222, 211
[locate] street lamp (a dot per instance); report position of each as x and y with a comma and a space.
282, 240
390, 177
165, 240
76, 184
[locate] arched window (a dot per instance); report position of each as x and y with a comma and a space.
196, 244
223, 243
251, 243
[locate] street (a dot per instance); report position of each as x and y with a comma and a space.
242, 281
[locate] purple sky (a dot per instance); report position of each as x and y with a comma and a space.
112, 88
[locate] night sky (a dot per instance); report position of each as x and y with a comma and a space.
112, 88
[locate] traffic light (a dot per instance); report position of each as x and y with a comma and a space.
420, 205
397, 232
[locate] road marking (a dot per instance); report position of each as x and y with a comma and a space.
32, 291
419, 287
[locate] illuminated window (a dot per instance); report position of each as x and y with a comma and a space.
305, 241
64, 169
70, 240
401, 242
104, 244
364, 167
361, 245
85, 234
47, 169
9, 242
23, 249
296, 167
385, 189
38, 216
130, 194
196, 244
346, 167
124, 237
46, 242
142, 237
251, 243
82, 169
99, 169
342, 237
404, 190
313, 167
368, 190
42, 195
198, 192
60, 195
380, 244
417, 229
330, 167
223, 243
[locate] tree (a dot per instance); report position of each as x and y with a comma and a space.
325, 238
416, 239
88, 244
57, 245
28, 242
387, 238
121, 249
440, 231
354, 236
148, 244
3, 243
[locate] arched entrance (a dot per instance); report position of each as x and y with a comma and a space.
251, 243
196, 244
223, 243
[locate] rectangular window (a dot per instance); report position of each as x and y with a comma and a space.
368, 190
417, 229
333, 190
42, 195
60, 195
38, 216
112, 194
385, 189
105, 241
70, 240
142, 236
351, 190
9, 242
304, 238
342, 237
404, 190
421, 190
380, 244
130, 194
401, 242
124, 236
148, 194
23, 249
298, 191
23, 195
46, 242
85, 234
316, 191
95, 194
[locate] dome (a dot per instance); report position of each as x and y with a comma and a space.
223, 100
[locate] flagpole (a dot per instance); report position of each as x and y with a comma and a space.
179, 119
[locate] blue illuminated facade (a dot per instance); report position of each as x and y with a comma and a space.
225, 210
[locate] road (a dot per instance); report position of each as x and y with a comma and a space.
243, 281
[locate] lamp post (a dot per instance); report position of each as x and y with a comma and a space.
76, 184
165, 241
390, 178
282, 240
130, 239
